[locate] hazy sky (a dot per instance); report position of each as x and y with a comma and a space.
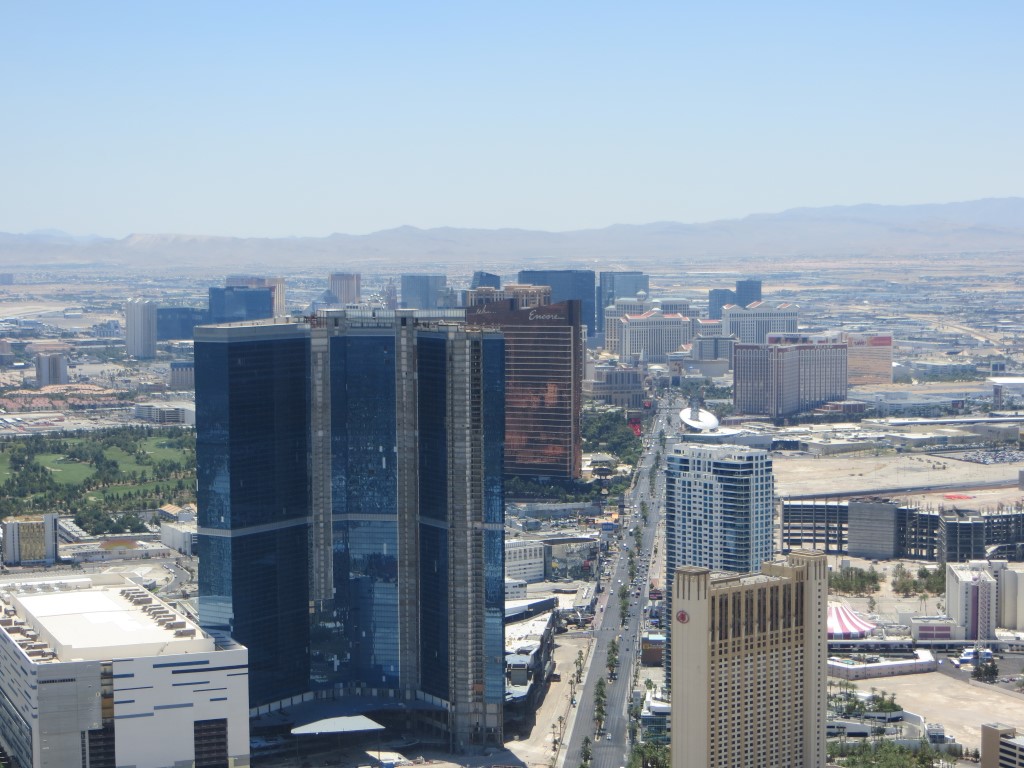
305, 118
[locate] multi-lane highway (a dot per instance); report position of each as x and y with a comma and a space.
610, 747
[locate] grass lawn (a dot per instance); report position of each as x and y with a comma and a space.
125, 461
157, 448
5, 467
64, 471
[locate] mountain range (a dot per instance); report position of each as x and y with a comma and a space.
799, 235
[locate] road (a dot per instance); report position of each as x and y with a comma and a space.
610, 748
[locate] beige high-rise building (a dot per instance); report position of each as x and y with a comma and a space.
1001, 747
346, 286
749, 668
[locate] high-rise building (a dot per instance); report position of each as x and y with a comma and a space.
390, 426
567, 284
51, 368
544, 386
521, 296
617, 285
183, 375
423, 291
750, 665
752, 324
719, 509
178, 322
237, 303
868, 359
748, 292
792, 373
140, 328
346, 287
485, 280
97, 671
972, 597
275, 284
253, 438
639, 304
718, 298
719, 506
651, 336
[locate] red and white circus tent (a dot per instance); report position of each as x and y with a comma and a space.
844, 624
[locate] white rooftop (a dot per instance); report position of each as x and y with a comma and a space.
102, 617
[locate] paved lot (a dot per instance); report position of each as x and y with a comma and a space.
803, 475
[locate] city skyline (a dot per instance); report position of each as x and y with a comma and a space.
276, 122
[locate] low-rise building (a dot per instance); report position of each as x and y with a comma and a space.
96, 671
113, 549
524, 559
167, 413
655, 717
179, 536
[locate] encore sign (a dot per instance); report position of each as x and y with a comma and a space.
682, 617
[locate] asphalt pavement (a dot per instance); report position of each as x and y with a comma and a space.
610, 748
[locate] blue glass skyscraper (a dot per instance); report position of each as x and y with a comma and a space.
235, 304
404, 585
568, 284
252, 444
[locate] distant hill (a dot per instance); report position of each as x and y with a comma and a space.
801, 234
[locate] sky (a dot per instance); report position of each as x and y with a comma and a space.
307, 118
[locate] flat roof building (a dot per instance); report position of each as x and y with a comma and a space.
96, 671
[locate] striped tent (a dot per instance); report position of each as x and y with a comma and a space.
844, 624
